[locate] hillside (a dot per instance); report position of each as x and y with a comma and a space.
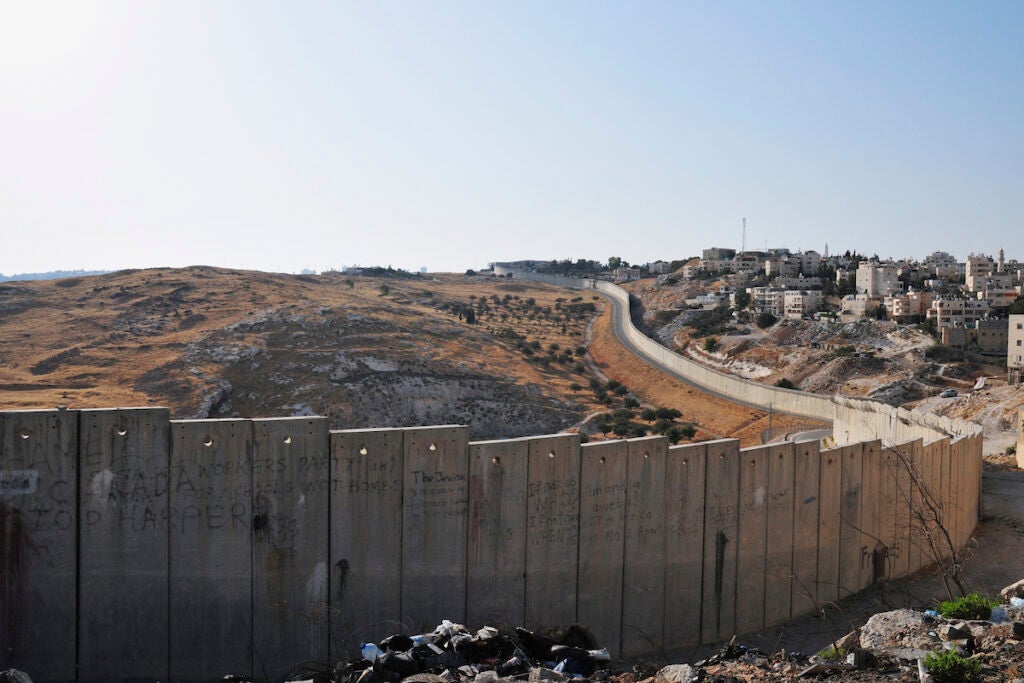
895, 364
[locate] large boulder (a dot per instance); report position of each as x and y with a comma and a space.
901, 633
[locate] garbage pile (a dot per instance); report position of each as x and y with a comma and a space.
451, 653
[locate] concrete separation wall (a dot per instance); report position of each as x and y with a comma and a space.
186, 550
852, 419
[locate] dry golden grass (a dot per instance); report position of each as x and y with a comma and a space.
124, 339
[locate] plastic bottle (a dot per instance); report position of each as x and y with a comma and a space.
369, 651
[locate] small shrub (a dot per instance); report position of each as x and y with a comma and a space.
766, 319
574, 387
648, 415
784, 383
1011, 450
973, 606
833, 654
949, 667
710, 344
630, 402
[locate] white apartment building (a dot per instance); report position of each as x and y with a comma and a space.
1015, 350
997, 289
810, 261
798, 304
854, 306
799, 282
978, 268
658, 267
940, 259
906, 307
878, 279
957, 312
782, 266
768, 300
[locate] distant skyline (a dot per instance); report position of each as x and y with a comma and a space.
283, 136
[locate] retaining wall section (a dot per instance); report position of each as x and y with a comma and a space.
137, 547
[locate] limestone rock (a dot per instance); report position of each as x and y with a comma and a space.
897, 634
1015, 590
677, 673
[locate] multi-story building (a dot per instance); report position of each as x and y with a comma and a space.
782, 266
658, 267
798, 304
856, 306
1015, 349
957, 312
908, 307
810, 262
878, 279
627, 274
718, 254
987, 336
998, 289
768, 300
799, 282
978, 268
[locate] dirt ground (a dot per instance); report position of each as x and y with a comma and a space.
716, 418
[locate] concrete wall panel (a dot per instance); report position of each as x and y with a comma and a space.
888, 496
917, 507
496, 567
751, 547
721, 531
291, 478
123, 617
902, 461
552, 530
602, 526
366, 537
778, 580
643, 599
434, 508
38, 542
684, 560
872, 565
852, 542
805, 527
830, 508
210, 548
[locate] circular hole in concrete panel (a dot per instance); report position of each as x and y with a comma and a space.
121, 430
551, 454
602, 459
432, 447
496, 460
363, 451
24, 433
288, 439
646, 456
208, 441
685, 461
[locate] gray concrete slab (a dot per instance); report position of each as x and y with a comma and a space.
38, 542
872, 550
291, 476
123, 513
903, 457
643, 592
366, 537
496, 562
210, 548
434, 505
685, 469
603, 486
852, 547
751, 547
806, 502
778, 580
721, 532
552, 531
829, 494
917, 474
886, 513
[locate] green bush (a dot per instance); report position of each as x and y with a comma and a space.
973, 606
832, 654
766, 319
949, 667
784, 383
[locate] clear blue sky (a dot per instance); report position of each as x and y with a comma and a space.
282, 135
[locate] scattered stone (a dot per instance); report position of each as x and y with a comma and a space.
893, 633
1014, 590
677, 673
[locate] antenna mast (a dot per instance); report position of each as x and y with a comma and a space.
743, 245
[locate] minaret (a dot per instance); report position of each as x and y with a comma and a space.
1000, 260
